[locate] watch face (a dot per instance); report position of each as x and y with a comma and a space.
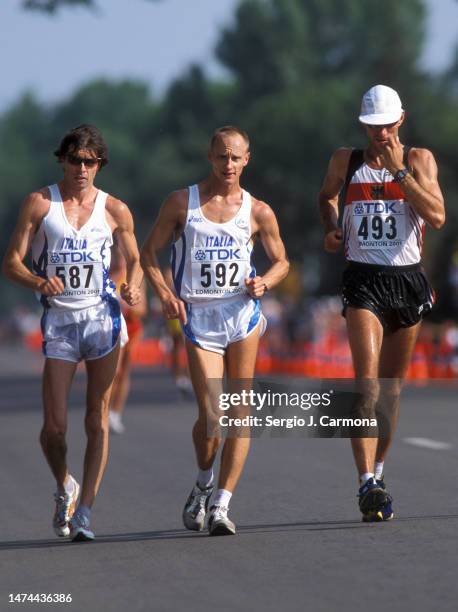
401, 174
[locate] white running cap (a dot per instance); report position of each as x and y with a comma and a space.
381, 105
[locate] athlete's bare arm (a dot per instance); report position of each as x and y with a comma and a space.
168, 226
120, 219
421, 188
265, 224
329, 199
33, 211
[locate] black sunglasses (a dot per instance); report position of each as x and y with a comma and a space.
89, 162
380, 127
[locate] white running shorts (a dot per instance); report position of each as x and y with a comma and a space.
89, 333
216, 324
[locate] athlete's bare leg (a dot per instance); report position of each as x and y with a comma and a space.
395, 358
57, 379
121, 383
240, 365
365, 335
100, 375
204, 366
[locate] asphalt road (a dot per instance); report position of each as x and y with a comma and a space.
300, 543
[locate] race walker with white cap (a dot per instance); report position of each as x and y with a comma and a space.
389, 192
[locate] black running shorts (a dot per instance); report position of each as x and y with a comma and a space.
399, 296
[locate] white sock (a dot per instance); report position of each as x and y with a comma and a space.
205, 478
69, 485
365, 477
222, 498
378, 469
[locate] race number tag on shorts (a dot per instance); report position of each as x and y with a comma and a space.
219, 271
380, 225
79, 279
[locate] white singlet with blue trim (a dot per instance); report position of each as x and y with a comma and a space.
210, 261
81, 258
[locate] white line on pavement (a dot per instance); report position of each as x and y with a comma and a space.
428, 443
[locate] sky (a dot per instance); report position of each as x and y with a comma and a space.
52, 56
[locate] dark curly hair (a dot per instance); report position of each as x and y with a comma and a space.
84, 137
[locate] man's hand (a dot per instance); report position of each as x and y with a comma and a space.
173, 308
392, 154
255, 286
130, 294
51, 286
333, 241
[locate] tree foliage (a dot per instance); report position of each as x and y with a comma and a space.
298, 69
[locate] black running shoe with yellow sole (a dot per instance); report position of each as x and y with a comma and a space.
372, 498
385, 513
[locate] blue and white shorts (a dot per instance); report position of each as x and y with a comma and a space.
216, 324
85, 334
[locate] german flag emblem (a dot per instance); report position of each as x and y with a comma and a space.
377, 192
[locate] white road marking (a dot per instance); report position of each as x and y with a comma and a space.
428, 443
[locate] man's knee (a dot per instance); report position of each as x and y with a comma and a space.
53, 433
96, 420
207, 426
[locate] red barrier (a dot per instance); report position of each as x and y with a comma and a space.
328, 358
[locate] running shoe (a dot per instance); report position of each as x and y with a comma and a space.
65, 507
115, 423
218, 523
372, 497
385, 513
79, 528
184, 385
196, 508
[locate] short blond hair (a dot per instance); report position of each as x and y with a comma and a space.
229, 129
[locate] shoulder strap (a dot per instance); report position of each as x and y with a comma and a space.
193, 198
54, 192
101, 200
405, 157
355, 162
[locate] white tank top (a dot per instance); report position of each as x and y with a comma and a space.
81, 258
380, 226
211, 261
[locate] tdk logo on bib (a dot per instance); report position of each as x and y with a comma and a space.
378, 208
74, 257
218, 248
75, 252
217, 254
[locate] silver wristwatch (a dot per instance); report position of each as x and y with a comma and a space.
400, 175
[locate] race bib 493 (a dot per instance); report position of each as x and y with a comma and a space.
379, 225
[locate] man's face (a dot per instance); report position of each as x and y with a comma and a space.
228, 157
80, 167
379, 134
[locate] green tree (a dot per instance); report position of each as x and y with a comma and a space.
278, 44
298, 69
